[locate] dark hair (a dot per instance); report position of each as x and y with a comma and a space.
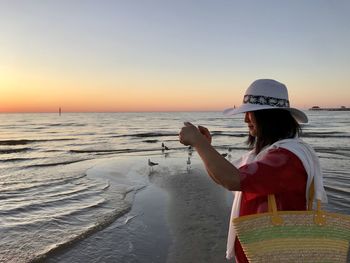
273, 125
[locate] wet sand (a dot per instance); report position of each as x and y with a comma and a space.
180, 217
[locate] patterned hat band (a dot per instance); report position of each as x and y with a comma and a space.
264, 100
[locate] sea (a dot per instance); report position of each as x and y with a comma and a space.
54, 190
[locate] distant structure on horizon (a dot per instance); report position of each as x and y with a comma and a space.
342, 108
59, 111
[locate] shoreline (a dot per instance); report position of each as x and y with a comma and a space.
178, 217
124, 239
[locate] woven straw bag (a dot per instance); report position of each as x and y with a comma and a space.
294, 236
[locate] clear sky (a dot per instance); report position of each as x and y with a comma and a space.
159, 55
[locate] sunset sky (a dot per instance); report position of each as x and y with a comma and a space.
159, 55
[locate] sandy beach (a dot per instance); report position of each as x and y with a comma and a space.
181, 216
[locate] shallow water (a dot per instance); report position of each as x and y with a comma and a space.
53, 190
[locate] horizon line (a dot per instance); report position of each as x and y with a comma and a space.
140, 111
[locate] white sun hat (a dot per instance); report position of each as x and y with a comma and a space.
265, 94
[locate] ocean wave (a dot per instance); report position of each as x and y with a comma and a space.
221, 133
56, 163
63, 220
38, 213
113, 151
338, 191
102, 223
27, 141
17, 160
150, 141
146, 134
15, 142
80, 189
217, 118
69, 124
340, 151
337, 204
53, 193
15, 150
334, 158
332, 134
228, 147
100, 151
18, 188
44, 206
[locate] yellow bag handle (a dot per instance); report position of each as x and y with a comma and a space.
276, 219
311, 196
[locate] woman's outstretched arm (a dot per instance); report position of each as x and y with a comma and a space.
220, 169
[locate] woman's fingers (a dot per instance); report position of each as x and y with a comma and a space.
205, 132
188, 124
188, 134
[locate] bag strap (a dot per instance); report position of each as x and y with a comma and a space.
311, 195
276, 219
272, 200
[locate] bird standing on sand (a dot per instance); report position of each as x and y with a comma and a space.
190, 150
151, 164
188, 163
229, 152
164, 147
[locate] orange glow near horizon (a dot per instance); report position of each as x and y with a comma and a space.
44, 95
105, 103
39, 100
35, 91
29, 92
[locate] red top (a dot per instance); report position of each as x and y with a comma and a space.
281, 173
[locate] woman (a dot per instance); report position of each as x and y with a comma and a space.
279, 162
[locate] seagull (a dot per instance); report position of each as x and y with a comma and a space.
190, 150
188, 163
164, 147
229, 152
151, 164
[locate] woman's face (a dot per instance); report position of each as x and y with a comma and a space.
250, 120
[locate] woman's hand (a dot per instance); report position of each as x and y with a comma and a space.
191, 135
219, 169
205, 132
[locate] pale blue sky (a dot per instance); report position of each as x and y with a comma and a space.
204, 45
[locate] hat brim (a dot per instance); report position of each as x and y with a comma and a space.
298, 115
